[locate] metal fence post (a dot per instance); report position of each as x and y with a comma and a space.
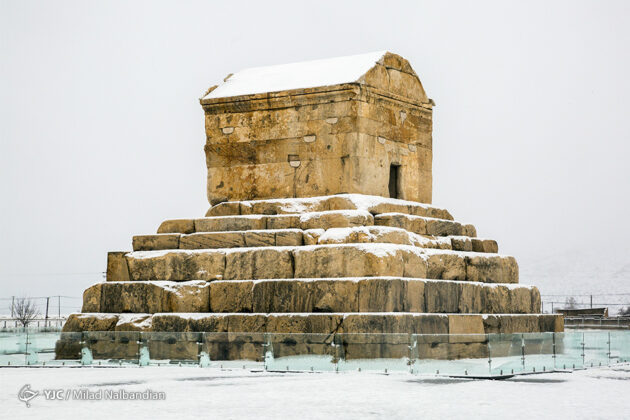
489, 354
554, 349
523, 351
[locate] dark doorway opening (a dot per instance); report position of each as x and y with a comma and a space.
394, 174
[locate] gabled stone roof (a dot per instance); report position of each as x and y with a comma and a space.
381, 69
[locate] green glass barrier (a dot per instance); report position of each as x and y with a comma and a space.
475, 355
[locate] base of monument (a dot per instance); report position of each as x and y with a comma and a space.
249, 336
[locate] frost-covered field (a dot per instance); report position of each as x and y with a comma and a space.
225, 394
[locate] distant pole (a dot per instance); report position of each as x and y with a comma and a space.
552, 307
591, 301
59, 307
542, 307
46, 319
12, 306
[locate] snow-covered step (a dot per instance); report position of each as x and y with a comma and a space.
315, 261
294, 237
369, 294
211, 240
247, 336
468, 244
372, 204
424, 225
317, 323
313, 220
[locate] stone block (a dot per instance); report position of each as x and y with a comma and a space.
496, 300
303, 323
212, 240
260, 238
117, 268
231, 296
491, 269
177, 226
461, 243
288, 238
381, 295
169, 322
134, 322
230, 223
156, 242
153, 297
536, 303
311, 236
187, 297
471, 298
551, 323
264, 263
485, 245
92, 299
442, 296
335, 219
465, 325
469, 230
414, 296
439, 227
285, 221
176, 265
227, 208
90, 322
357, 261
447, 266
413, 224
520, 300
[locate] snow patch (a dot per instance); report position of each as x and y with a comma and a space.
307, 74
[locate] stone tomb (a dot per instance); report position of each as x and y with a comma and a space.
319, 179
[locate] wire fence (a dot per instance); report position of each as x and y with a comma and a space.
45, 306
615, 303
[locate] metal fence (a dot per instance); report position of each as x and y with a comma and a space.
53, 323
600, 323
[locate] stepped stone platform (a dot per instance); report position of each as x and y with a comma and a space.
313, 228
327, 276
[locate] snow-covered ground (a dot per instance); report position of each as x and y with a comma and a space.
193, 392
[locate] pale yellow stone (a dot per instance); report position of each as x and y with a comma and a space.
176, 265
156, 242
231, 296
117, 268
485, 245
264, 263
492, 269
177, 226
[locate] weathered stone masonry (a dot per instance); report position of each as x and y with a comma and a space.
320, 222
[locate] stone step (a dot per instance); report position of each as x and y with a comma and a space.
370, 294
424, 225
315, 261
336, 335
314, 220
472, 244
317, 323
297, 237
373, 204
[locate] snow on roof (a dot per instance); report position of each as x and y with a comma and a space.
307, 74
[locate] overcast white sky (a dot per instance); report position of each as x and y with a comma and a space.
101, 131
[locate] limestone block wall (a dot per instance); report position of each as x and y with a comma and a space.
321, 141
